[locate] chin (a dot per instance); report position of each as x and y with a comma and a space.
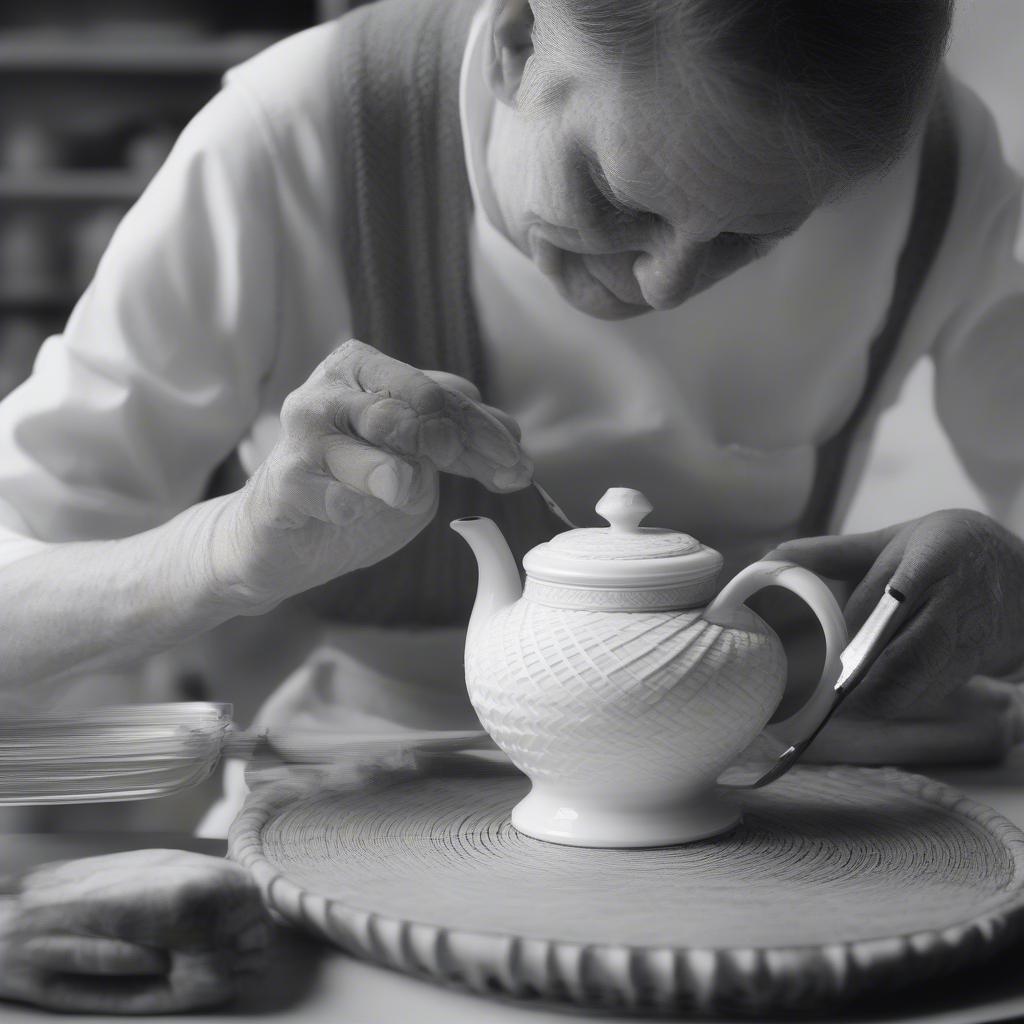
610, 311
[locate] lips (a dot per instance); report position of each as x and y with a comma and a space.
582, 289
622, 285
545, 255
584, 279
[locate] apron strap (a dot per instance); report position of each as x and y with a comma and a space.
933, 205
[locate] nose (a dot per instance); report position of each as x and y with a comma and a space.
669, 274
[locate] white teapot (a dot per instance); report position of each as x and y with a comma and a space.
613, 684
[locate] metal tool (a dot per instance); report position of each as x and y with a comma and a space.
856, 659
553, 506
142, 751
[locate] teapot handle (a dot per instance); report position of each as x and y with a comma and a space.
727, 610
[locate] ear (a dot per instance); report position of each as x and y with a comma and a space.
511, 38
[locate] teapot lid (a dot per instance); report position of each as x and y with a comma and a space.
672, 569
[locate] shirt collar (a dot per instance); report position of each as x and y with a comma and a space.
476, 105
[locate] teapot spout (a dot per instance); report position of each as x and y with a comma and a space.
499, 584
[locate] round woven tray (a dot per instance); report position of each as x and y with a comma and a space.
839, 882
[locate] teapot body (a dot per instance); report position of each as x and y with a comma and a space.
612, 683
630, 709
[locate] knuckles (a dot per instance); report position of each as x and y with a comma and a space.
301, 411
360, 392
363, 368
342, 365
389, 422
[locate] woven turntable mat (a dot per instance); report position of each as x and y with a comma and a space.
837, 881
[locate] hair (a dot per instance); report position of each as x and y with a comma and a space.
854, 75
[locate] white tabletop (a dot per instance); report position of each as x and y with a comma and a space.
310, 982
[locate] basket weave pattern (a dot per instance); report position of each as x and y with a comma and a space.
840, 882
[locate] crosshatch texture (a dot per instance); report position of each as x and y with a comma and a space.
579, 699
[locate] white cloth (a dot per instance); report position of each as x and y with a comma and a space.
222, 289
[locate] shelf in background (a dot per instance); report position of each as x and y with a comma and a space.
25, 52
89, 186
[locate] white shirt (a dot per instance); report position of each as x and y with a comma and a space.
222, 289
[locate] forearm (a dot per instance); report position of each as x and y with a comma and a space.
98, 604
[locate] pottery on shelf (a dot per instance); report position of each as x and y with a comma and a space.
615, 686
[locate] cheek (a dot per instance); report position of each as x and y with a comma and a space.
518, 171
534, 168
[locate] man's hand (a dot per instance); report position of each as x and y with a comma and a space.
963, 578
354, 476
151, 931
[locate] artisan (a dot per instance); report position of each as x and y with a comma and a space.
688, 246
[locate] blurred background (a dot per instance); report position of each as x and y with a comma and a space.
93, 94
912, 469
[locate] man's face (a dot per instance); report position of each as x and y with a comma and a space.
634, 194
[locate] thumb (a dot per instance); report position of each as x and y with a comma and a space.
866, 561
848, 557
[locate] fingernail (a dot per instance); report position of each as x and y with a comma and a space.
495, 447
389, 482
442, 442
513, 479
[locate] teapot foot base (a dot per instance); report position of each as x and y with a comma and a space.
544, 814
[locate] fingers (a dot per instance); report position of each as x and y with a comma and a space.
164, 899
453, 382
466, 387
139, 932
867, 560
372, 471
927, 656
924, 660
492, 455
950, 567
510, 423
363, 395
80, 954
868, 592
254, 938
191, 984
448, 421
845, 557
941, 546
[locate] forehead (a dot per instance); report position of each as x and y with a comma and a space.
683, 142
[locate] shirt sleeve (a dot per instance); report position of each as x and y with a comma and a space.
157, 375
979, 351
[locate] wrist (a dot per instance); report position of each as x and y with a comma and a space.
220, 560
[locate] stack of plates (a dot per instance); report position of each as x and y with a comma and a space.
109, 754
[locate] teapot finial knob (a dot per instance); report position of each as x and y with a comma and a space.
623, 508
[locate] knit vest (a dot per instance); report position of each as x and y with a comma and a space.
406, 208
406, 217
